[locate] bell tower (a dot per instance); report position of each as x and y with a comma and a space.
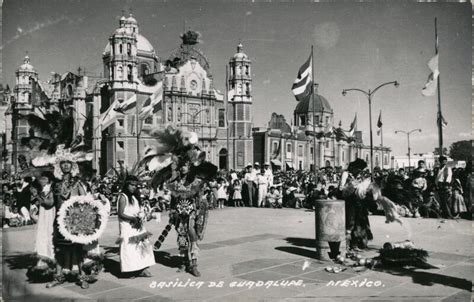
240, 109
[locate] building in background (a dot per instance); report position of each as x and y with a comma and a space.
292, 147
134, 75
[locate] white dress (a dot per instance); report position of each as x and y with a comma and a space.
44, 233
133, 256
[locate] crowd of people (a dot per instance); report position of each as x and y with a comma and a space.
441, 192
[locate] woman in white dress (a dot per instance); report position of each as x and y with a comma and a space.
136, 251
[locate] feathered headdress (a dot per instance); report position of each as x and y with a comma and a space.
123, 174
175, 149
62, 155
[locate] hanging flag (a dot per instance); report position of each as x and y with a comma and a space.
353, 126
230, 94
432, 83
39, 111
129, 104
108, 117
444, 124
303, 85
153, 103
379, 123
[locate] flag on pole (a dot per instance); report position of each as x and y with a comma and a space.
444, 124
108, 117
40, 111
153, 103
432, 83
353, 126
129, 104
303, 85
379, 123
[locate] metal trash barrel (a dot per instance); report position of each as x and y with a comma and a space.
330, 223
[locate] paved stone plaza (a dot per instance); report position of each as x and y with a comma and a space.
269, 245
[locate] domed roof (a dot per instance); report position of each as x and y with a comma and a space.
143, 44
320, 103
240, 55
120, 31
26, 66
131, 19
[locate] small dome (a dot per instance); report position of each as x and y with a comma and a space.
131, 19
306, 106
26, 66
123, 18
240, 55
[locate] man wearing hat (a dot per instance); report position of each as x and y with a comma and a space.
267, 171
443, 185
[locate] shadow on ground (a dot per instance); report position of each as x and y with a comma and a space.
430, 279
112, 264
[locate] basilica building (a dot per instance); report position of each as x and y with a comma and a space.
134, 74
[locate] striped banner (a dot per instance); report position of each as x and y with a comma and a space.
154, 103
303, 85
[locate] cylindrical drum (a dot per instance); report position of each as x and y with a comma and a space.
330, 216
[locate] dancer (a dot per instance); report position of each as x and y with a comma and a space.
362, 196
136, 251
178, 162
44, 233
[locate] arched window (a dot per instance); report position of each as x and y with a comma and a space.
247, 70
120, 49
145, 70
120, 73
129, 49
247, 89
69, 90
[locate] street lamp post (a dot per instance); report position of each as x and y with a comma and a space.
408, 139
369, 95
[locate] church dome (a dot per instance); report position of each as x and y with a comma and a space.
143, 44
240, 55
26, 66
320, 104
132, 20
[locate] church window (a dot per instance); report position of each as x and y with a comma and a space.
300, 150
303, 120
247, 89
120, 73
129, 49
385, 159
367, 157
69, 90
149, 120
275, 148
247, 70
120, 49
129, 73
221, 117
288, 148
120, 122
376, 160
145, 70
316, 120
311, 150
327, 120
343, 155
121, 145
327, 144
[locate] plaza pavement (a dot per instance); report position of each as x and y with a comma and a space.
250, 244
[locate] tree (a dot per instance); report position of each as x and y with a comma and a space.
460, 150
436, 151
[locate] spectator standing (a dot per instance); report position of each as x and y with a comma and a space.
237, 194
262, 181
443, 184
